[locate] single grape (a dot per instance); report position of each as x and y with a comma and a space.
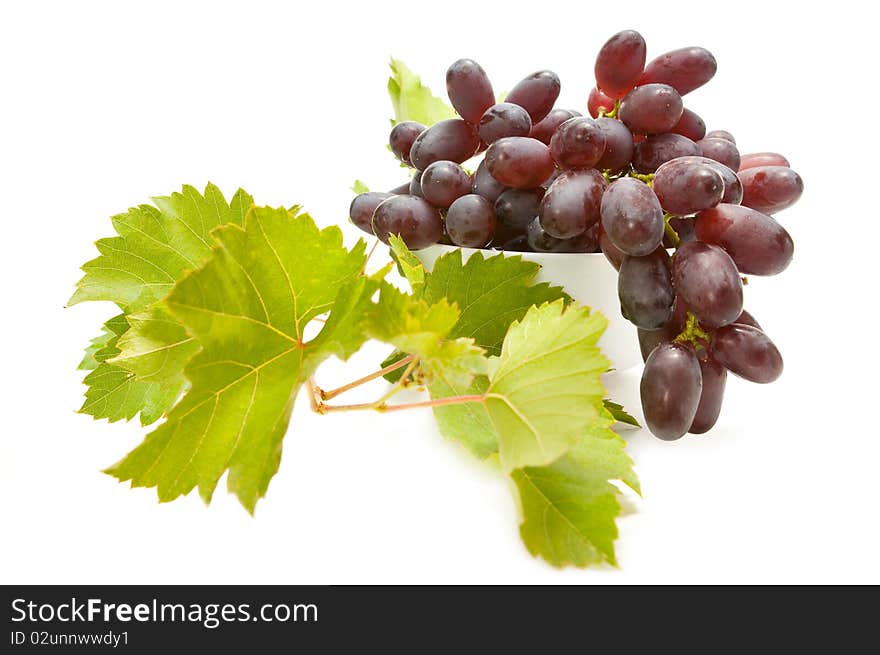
470, 221
656, 150
770, 189
536, 94
684, 69
670, 390
571, 204
486, 185
747, 352
690, 125
540, 241
517, 207
747, 319
415, 185
578, 143
756, 242
469, 90
733, 190
509, 240
519, 162
504, 119
452, 140
632, 217
412, 218
599, 101
644, 286
651, 109
707, 280
620, 63
684, 186
755, 159
443, 182
721, 150
543, 131
714, 378
362, 207
403, 189
650, 339
618, 145
721, 134
612, 253
403, 135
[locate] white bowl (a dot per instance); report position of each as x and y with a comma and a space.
588, 278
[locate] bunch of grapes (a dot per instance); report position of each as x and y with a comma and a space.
676, 210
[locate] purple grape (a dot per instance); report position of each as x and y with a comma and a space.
747, 319
707, 280
486, 185
519, 162
755, 159
770, 189
536, 94
644, 286
415, 185
632, 217
684, 228
684, 186
612, 253
470, 221
517, 207
571, 204
747, 352
414, 219
756, 242
577, 143
651, 109
403, 135
721, 150
362, 207
714, 378
690, 125
721, 134
684, 69
618, 145
504, 119
599, 101
620, 63
469, 90
403, 189
451, 140
443, 182
670, 390
656, 150
543, 131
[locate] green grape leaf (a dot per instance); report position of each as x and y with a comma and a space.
109, 331
409, 265
412, 100
417, 328
248, 307
569, 507
546, 389
359, 187
155, 245
116, 394
619, 413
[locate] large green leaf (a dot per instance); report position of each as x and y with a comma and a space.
569, 507
412, 100
417, 328
546, 389
248, 307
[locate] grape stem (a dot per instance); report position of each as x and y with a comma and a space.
381, 406
327, 395
670, 232
692, 332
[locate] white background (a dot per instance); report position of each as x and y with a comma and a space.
106, 104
